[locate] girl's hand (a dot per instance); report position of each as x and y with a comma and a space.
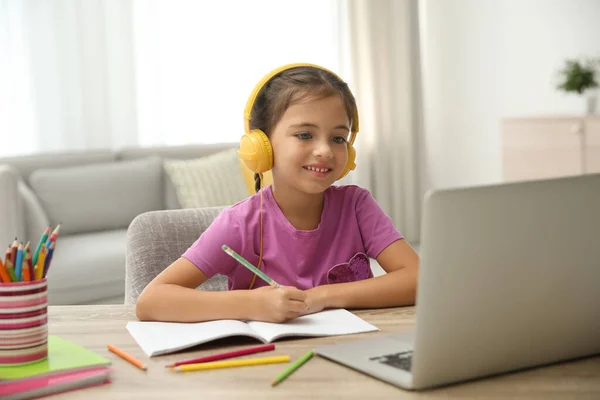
277, 304
315, 299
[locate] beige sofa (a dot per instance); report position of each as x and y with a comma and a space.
95, 195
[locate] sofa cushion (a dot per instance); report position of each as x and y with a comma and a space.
99, 196
171, 201
87, 267
211, 181
26, 165
186, 152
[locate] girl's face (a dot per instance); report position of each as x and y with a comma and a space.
309, 144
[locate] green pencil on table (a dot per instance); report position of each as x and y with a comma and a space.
251, 267
289, 370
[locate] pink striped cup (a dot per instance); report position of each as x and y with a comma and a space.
23, 322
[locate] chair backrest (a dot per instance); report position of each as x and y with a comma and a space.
157, 238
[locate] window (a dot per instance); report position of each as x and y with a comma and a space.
196, 62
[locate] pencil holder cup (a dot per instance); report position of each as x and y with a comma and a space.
23, 322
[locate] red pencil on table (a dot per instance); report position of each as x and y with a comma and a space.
223, 356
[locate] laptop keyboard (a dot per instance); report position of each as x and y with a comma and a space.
402, 360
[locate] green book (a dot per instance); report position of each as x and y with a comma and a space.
62, 356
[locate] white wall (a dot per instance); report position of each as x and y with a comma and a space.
488, 59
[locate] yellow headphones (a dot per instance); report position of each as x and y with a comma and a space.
255, 148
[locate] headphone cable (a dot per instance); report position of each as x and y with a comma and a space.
261, 230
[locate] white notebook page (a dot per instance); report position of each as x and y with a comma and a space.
324, 323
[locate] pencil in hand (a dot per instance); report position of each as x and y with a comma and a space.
128, 357
251, 267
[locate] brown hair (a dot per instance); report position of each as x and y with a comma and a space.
292, 86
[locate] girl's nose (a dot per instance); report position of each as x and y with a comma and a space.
323, 150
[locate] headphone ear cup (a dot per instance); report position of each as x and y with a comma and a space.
256, 151
351, 163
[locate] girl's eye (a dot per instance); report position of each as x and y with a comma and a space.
339, 139
303, 136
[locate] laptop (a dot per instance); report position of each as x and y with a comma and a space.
509, 279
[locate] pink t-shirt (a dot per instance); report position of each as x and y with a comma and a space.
353, 227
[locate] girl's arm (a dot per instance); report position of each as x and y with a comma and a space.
396, 288
172, 296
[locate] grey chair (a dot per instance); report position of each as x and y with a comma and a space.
157, 238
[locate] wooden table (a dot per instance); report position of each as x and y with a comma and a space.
95, 326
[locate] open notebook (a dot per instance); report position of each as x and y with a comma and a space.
158, 338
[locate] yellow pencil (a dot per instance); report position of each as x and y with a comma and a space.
232, 364
39, 268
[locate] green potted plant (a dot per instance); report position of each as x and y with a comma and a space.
581, 78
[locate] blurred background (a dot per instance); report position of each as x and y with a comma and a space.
439, 83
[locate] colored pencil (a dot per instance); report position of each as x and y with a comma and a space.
13, 252
42, 242
251, 267
4, 276
223, 356
39, 266
53, 236
290, 370
128, 357
11, 270
48, 258
19, 263
25, 270
232, 363
29, 265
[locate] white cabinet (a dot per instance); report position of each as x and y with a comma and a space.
539, 148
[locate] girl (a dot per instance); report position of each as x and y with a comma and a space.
312, 238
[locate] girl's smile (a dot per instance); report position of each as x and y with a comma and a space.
318, 170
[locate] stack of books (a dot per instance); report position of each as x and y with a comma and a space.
68, 367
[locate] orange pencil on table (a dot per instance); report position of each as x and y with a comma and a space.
128, 357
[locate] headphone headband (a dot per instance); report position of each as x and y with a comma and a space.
260, 85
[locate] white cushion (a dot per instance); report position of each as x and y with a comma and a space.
210, 181
99, 196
